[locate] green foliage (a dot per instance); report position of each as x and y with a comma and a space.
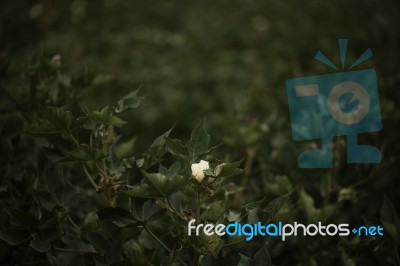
87, 177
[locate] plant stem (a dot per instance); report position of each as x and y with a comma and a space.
198, 197
250, 156
74, 140
73, 223
161, 243
396, 252
169, 203
109, 197
87, 174
73, 250
234, 243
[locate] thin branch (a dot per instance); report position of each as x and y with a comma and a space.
73, 250
73, 223
87, 174
162, 243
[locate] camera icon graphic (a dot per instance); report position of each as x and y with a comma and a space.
338, 104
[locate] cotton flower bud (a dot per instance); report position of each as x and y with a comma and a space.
198, 170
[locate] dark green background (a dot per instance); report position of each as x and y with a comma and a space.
227, 61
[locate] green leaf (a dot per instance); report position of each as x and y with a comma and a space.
276, 204
118, 216
23, 219
115, 121
14, 236
125, 149
106, 117
134, 252
86, 153
214, 211
128, 232
265, 209
156, 150
388, 211
51, 220
142, 190
389, 219
61, 119
109, 248
229, 169
39, 244
262, 257
160, 140
171, 171
245, 261
346, 260
44, 199
42, 129
149, 209
176, 147
129, 101
213, 243
306, 204
198, 143
61, 189
164, 185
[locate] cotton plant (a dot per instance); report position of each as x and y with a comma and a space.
78, 193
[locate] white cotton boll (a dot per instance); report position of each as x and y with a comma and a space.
198, 170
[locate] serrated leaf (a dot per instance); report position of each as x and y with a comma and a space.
106, 117
156, 150
42, 129
86, 153
198, 143
61, 119
129, 101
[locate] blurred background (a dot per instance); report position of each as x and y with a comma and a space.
226, 62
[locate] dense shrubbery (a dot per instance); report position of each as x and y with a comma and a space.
90, 176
